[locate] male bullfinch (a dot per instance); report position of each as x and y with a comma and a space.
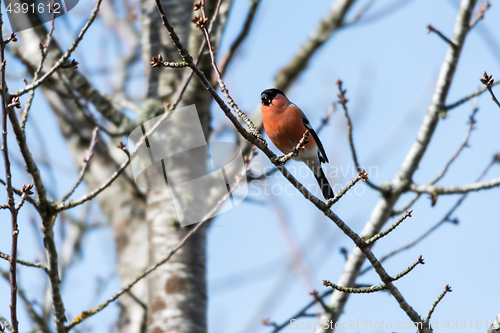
285, 124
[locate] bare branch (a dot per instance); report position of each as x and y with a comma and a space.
359, 14
447, 289
86, 163
468, 97
373, 289
240, 39
44, 50
438, 190
343, 101
443, 37
464, 144
406, 206
198, 58
361, 176
391, 228
480, 14
25, 190
93, 194
369, 290
25, 263
10, 192
253, 130
19, 193
12, 38
144, 322
410, 268
64, 57
302, 312
319, 299
488, 82
158, 62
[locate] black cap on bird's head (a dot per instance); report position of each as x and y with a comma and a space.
268, 95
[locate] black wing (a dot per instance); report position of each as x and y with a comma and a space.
321, 154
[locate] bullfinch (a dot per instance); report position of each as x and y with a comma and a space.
285, 124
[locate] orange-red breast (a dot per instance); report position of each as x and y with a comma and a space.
285, 124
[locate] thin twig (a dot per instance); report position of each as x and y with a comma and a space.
343, 101
368, 290
391, 228
10, 191
198, 58
438, 190
302, 312
447, 289
488, 82
73, 203
326, 119
480, 14
373, 289
158, 62
406, 206
443, 37
25, 190
86, 163
410, 268
361, 176
64, 57
19, 193
464, 144
253, 130
239, 40
144, 322
25, 263
468, 97
359, 14
41, 323
44, 50
318, 299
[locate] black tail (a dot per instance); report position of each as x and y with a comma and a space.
324, 185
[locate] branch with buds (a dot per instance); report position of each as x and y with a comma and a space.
488, 81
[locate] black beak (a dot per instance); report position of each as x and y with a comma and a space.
265, 100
